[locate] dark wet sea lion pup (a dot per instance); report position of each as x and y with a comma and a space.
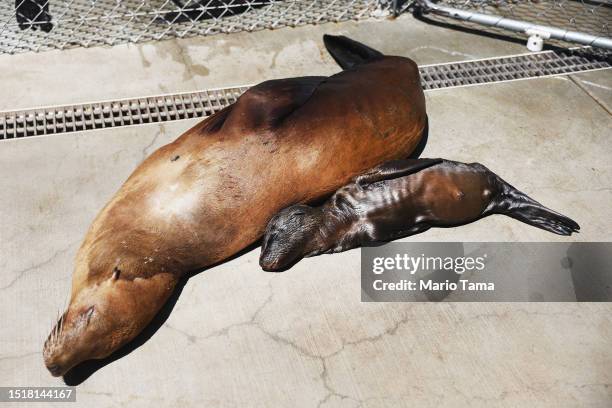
398, 199
210, 193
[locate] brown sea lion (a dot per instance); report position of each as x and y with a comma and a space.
398, 199
210, 193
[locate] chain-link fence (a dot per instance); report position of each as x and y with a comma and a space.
36, 25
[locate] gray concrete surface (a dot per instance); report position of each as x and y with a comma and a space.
240, 337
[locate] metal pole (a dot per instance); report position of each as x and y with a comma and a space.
395, 8
518, 26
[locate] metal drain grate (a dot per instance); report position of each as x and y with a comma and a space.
99, 115
65, 119
512, 68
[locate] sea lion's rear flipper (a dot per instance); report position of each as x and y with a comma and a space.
349, 53
520, 206
545, 218
395, 169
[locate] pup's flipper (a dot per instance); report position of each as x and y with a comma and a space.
520, 206
395, 169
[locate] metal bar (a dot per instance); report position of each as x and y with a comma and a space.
516, 25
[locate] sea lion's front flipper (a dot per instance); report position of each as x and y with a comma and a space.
267, 104
395, 169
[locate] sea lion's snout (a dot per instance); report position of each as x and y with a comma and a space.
289, 235
106, 311
75, 338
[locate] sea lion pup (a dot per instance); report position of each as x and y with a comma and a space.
398, 199
209, 194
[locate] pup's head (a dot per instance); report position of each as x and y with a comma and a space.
290, 235
107, 310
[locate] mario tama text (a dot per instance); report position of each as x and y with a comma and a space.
404, 284
481, 271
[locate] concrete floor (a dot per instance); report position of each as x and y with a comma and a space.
242, 337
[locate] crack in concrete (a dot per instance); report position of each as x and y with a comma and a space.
323, 359
584, 89
252, 322
224, 331
21, 273
190, 337
162, 130
596, 85
323, 375
304, 352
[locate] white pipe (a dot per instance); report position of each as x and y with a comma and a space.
519, 26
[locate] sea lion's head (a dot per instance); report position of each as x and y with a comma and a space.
115, 294
290, 235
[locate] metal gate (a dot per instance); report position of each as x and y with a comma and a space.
585, 22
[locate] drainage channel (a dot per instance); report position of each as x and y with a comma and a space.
137, 111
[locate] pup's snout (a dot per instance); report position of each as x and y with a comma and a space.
268, 265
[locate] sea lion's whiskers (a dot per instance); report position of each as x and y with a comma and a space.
54, 332
60, 323
52, 339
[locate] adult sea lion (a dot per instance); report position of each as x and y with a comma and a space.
210, 193
398, 199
